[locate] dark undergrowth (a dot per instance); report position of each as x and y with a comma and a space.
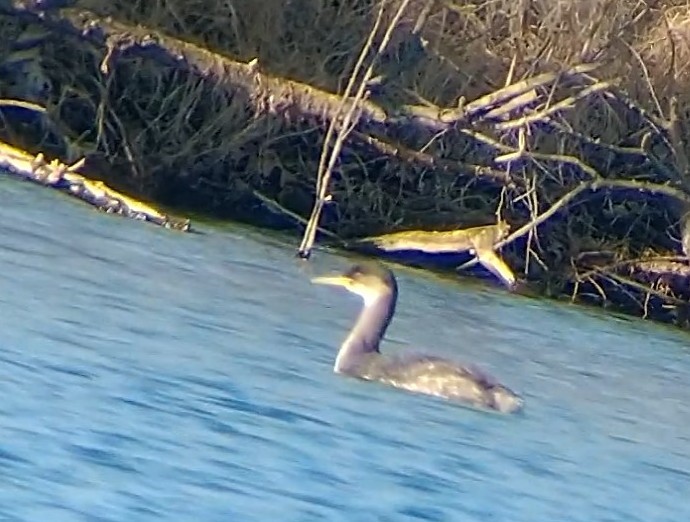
205, 140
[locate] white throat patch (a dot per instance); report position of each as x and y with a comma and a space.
368, 295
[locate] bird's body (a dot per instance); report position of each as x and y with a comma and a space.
360, 356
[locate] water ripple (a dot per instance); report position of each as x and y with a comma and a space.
148, 375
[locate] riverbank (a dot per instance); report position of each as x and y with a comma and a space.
566, 122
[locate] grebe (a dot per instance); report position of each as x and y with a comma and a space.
360, 356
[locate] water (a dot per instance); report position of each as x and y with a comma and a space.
152, 375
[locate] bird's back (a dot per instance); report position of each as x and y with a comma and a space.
440, 377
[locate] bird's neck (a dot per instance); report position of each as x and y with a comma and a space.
368, 331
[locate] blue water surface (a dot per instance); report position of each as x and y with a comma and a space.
152, 375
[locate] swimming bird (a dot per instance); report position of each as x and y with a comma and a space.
360, 356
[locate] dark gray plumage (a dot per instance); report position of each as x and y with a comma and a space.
360, 355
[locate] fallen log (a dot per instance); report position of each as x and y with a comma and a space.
65, 178
478, 241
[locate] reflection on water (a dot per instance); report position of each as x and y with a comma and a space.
151, 375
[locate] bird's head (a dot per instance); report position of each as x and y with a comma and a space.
369, 281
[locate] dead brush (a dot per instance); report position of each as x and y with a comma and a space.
567, 119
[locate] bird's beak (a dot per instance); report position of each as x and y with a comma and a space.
337, 280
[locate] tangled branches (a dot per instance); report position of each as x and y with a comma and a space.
408, 114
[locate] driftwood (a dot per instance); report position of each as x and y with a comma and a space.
478, 241
66, 178
437, 242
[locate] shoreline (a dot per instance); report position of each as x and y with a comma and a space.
588, 171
